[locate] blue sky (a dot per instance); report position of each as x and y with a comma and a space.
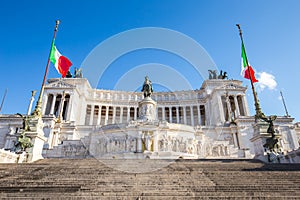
271, 34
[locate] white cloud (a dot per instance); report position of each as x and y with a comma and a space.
266, 80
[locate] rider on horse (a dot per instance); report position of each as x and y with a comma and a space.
147, 87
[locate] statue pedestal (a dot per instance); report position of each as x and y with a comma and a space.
36, 134
147, 110
259, 138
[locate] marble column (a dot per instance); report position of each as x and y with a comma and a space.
106, 115
45, 100
245, 105
170, 114
121, 114
192, 116
53, 104
207, 123
128, 114
61, 105
199, 115
228, 108
51, 139
99, 115
237, 109
135, 113
114, 115
68, 108
163, 113
184, 114
222, 112
235, 139
177, 114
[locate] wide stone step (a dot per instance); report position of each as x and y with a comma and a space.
182, 179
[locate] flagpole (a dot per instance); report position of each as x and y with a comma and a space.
286, 111
258, 113
38, 108
3, 100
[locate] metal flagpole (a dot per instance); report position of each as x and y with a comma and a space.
3, 100
287, 114
258, 113
38, 108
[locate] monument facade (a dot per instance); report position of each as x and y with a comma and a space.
210, 122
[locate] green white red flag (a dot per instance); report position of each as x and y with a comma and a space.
247, 70
61, 63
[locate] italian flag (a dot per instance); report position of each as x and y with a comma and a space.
61, 63
247, 70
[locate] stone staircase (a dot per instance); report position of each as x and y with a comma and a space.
149, 179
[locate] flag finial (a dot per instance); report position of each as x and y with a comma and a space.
56, 25
240, 30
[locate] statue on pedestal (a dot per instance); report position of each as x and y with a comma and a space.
272, 144
78, 73
213, 74
147, 87
23, 143
26, 119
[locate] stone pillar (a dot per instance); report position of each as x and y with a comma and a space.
106, 115
192, 116
235, 139
170, 114
237, 109
114, 115
259, 139
135, 113
121, 114
245, 105
37, 138
199, 115
53, 104
128, 114
45, 100
184, 114
92, 114
139, 145
99, 115
61, 105
222, 112
163, 112
228, 108
177, 114
30, 105
69, 109
50, 139
206, 115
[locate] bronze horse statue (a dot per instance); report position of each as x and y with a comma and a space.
147, 87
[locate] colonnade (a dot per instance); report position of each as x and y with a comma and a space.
57, 104
107, 114
233, 106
